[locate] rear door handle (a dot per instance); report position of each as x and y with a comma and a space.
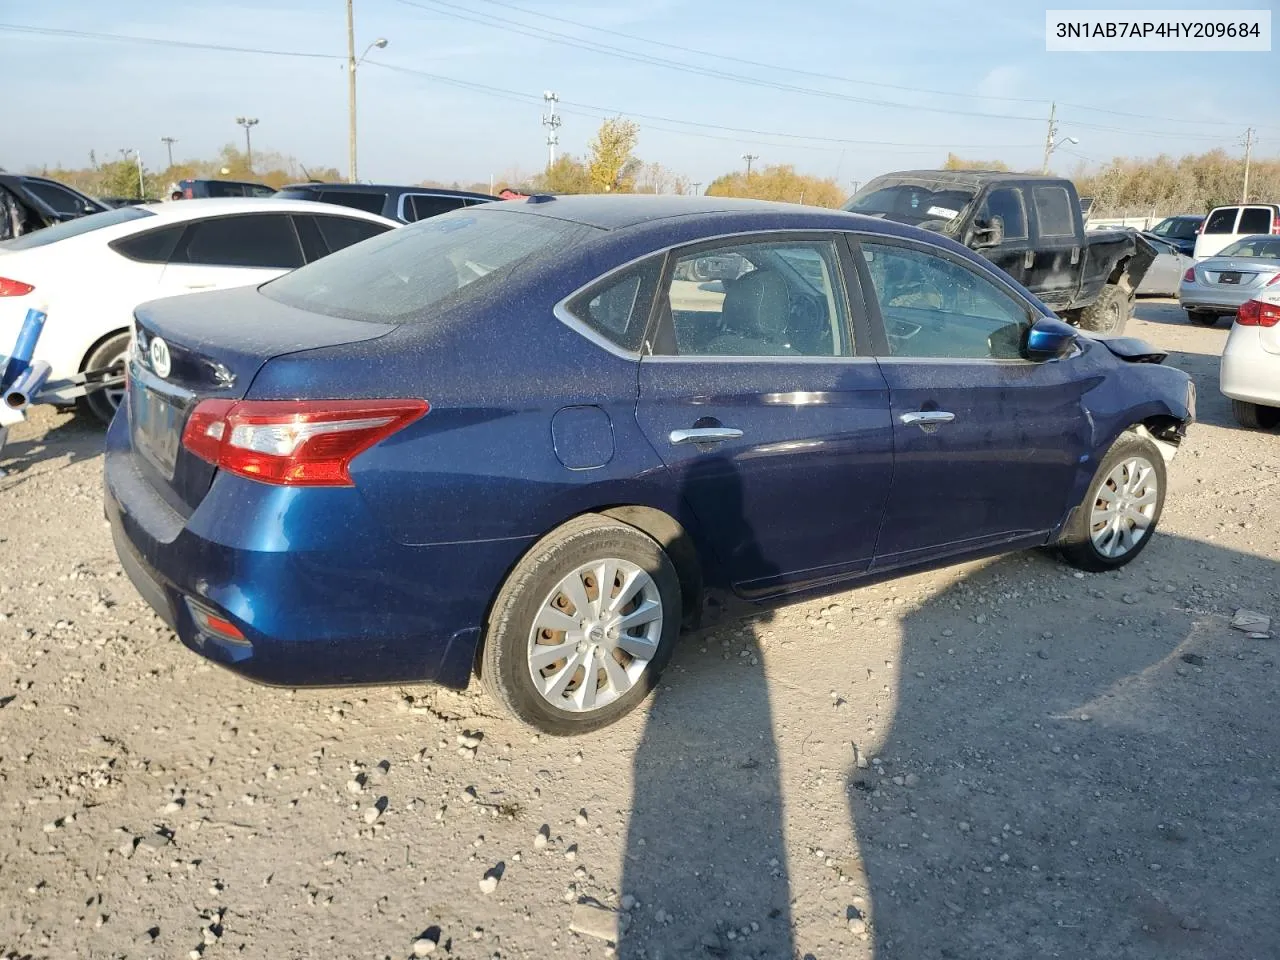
923, 418
1029, 259
705, 435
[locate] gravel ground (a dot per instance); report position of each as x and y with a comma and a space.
997, 760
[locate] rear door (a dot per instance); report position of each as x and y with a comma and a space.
1055, 274
987, 444
776, 432
232, 251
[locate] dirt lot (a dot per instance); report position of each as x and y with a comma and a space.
998, 760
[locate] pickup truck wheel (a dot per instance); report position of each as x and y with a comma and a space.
1109, 313
1202, 318
1120, 512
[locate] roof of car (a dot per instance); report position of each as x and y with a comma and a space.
398, 188
619, 211
213, 206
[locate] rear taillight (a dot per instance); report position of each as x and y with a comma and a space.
1255, 313
294, 442
1190, 275
1275, 224
14, 288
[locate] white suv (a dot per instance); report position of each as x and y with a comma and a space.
1226, 225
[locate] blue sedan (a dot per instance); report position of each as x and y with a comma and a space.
534, 439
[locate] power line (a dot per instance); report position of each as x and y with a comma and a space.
160, 41
842, 79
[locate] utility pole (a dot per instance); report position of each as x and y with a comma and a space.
169, 142
1048, 139
697, 188
351, 93
750, 157
142, 186
1248, 150
247, 122
551, 120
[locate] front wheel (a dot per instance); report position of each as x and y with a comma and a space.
1120, 512
113, 354
582, 627
1109, 313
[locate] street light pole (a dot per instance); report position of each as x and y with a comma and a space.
352, 64
247, 122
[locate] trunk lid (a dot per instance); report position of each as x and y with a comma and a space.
203, 346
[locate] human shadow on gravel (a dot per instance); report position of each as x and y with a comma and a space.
706, 858
1080, 768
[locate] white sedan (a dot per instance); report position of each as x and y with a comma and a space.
91, 273
1250, 371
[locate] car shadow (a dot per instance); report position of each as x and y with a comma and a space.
1162, 310
1074, 765
49, 434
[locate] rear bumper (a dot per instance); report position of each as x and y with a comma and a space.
321, 594
1222, 298
1248, 371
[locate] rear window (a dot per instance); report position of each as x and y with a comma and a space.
396, 277
1222, 220
77, 227
1264, 248
1255, 220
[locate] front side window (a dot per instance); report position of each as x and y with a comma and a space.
1053, 212
771, 299
935, 307
1222, 220
264, 240
1255, 220
1007, 204
58, 199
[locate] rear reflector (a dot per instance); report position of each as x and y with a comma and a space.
1255, 313
1190, 275
294, 442
14, 288
214, 624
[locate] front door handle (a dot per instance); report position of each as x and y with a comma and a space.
927, 418
705, 435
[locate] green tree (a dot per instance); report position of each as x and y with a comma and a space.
611, 164
567, 175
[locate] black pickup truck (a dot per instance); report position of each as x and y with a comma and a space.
1029, 226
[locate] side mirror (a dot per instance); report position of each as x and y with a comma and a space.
988, 233
1049, 339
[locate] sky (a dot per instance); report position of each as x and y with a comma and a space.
841, 88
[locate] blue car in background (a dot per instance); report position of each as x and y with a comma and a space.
533, 439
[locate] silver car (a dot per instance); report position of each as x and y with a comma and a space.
1217, 286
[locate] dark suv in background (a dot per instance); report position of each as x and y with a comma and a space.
406, 204
200, 189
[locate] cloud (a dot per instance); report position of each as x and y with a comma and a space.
1004, 81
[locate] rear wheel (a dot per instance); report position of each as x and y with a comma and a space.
1254, 415
112, 353
582, 628
1110, 312
1120, 512
1202, 318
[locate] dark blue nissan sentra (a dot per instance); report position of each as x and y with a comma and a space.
532, 439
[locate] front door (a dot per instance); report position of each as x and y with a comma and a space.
778, 437
987, 444
1014, 254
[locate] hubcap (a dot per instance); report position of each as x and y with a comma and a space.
594, 635
1124, 507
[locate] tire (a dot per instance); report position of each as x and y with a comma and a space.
1088, 549
1254, 415
1109, 313
571, 558
1202, 318
102, 404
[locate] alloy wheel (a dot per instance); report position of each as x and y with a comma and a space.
1124, 507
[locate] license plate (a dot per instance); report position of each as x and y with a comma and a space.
156, 428
1229, 277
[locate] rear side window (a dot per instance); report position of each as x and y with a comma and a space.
1255, 220
151, 246
618, 308
356, 200
77, 227
341, 232
440, 262
253, 240
420, 206
1053, 212
1222, 220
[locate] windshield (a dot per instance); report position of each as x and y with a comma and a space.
1262, 248
396, 276
1177, 228
76, 227
912, 202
